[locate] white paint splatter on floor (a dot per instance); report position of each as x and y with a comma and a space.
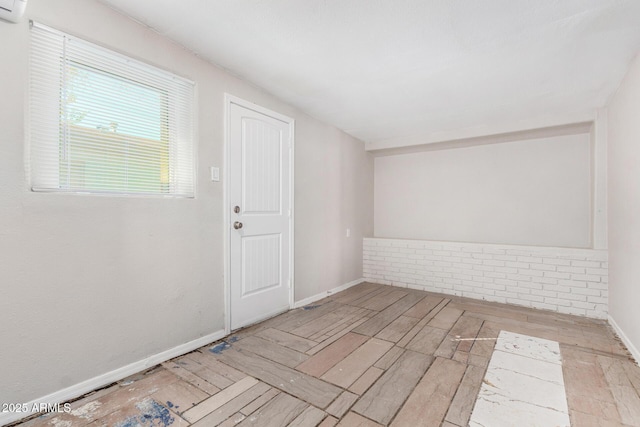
523, 385
86, 411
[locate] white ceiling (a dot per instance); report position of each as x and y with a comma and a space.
397, 72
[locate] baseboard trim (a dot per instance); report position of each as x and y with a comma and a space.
325, 294
625, 339
107, 378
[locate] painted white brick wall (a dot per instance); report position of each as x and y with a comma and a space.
572, 281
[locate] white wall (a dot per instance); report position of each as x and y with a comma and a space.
333, 192
533, 192
624, 207
90, 284
565, 280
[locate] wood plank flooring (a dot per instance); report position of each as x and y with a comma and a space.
372, 355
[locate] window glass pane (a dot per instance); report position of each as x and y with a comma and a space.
107, 102
116, 135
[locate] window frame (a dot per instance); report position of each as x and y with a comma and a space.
45, 146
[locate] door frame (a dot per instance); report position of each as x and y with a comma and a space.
228, 100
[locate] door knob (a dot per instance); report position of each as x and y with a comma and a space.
237, 225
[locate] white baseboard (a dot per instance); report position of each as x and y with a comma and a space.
107, 378
325, 294
630, 346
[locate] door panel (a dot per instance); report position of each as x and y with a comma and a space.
261, 156
259, 174
262, 263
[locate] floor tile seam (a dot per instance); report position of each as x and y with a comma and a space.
499, 368
399, 408
522, 402
559, 363
528, 357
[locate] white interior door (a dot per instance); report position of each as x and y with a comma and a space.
260, 147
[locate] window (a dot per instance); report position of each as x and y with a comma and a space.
104, 123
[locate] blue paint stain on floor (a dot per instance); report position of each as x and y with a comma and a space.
219, 348
129, 422
152, 414
311, 307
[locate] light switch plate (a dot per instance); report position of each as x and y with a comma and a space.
215, 174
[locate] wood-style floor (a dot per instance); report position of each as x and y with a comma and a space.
371, 355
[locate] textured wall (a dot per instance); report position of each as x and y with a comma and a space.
624, 206
528, 192
90, 284
572, 281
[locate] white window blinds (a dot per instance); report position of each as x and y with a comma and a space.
104, 123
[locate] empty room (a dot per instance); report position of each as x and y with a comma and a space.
320, 213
